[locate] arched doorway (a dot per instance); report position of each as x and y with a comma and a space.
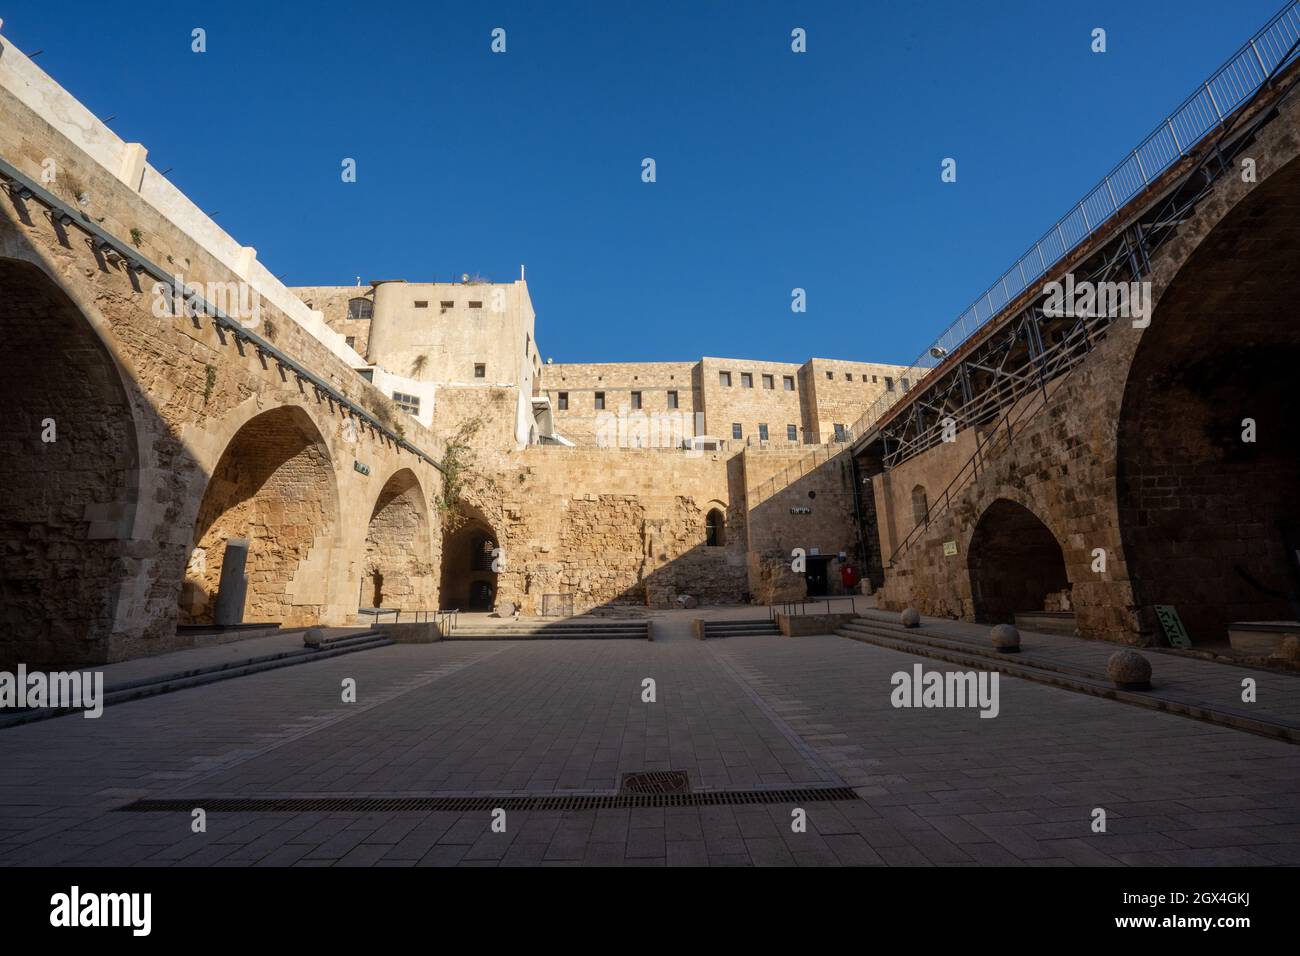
68, 470
715, 528
468, 581
1210, 520
398, 570
1015, 563
273, 488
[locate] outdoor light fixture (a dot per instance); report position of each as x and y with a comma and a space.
135, 265
62, 218
25, 194
938, 351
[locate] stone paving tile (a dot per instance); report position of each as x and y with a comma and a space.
937, 787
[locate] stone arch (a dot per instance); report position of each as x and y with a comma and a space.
398, 569
715, 528
1210, 523
274, 486
69, 504
1015, 563
468, 581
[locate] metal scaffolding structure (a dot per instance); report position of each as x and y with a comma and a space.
1001, 379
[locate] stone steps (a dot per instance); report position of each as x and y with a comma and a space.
756, 626
969, 655
509, 630
199, 676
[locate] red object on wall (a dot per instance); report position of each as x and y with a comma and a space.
849, 576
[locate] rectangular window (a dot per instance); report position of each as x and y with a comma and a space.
874, 380
446, 304
421, 303
600, 401
672, 399
889, 384
636, 400
724, 378
840, 433
905, 385
564, 401
351, 341
762, 432
736, 431
791, 433
475, 305
789, 382
830, 375
480, 371
768, 381
848, 376
746, 380
407, 403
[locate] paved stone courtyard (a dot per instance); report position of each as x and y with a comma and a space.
936, 786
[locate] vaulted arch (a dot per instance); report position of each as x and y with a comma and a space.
274, 488
68, 467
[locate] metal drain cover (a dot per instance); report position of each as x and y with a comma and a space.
656, 782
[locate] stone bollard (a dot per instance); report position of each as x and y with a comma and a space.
910, 617
313, 637
1005, 638
1289, 649
1129, 670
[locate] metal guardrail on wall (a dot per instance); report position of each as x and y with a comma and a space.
1272, 47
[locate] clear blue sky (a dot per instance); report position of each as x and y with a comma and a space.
775, 170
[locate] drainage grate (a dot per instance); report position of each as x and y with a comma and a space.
612, 801
656, 782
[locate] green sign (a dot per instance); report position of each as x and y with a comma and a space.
1175, 633
364, 469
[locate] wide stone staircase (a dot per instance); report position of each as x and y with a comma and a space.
1189, 687
755, 626
164, 680
568, 629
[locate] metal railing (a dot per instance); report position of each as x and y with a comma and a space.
799, 608
1271, 48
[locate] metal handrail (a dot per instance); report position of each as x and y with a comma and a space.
1239, 78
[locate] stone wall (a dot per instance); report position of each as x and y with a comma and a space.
1219, 322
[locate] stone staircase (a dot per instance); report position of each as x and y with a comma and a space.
1037, 662
569, 629
755, 626
332, 645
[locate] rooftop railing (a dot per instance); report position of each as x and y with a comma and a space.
1270, 49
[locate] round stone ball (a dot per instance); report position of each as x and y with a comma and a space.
313, 637
1005, 638
911, 617
1289, 649
1129, 670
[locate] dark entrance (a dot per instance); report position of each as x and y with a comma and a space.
1015, 563
818, 576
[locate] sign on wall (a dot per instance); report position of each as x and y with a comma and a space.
1175, 633
949, 548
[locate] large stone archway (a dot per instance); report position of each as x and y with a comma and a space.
399, 571
1211, 521
468, 581
1015, 563
68, 467
275, 488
